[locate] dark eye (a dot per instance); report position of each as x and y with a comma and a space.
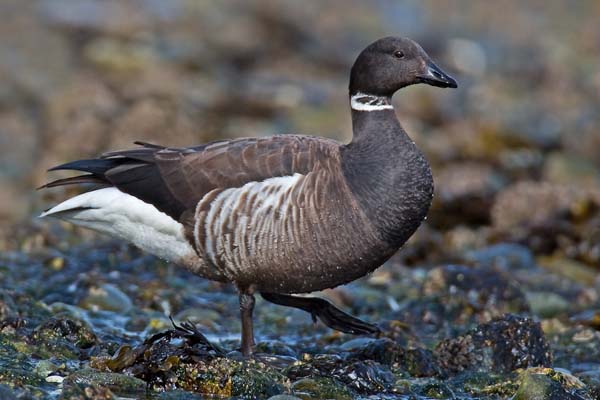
399, 54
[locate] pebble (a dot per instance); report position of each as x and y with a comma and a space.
106, 297
505, 256
547, 304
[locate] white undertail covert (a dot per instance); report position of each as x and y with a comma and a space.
118, 214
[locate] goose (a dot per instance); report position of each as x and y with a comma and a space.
280, 215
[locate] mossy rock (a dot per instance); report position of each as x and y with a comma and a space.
14, 376
118, 384
542, 387
74, 332
227, 378
320, 388
485, 384
436, 390
86, 391
257, 383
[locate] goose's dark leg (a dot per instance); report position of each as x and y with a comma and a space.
246, 309
329, 314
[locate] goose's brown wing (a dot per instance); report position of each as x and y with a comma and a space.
175, 179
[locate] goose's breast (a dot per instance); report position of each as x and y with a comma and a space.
291, 234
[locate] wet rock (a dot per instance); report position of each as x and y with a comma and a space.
275, 347
367, 377
485, 384
45, 367
570, 269
354, 344
436, 390
178, 394
8, 306
591, 378
17, 373
124, 357
278, 362
546, 304
483, 292
320, 364
577, 343
420, 363
284, 397
504, 256
193, 364
501, 345
589, 318
106, 382
202, 316
361, 376
224, 377
106, 297
7, 393
83, 391
417, 362
548, 384
257, 383
19, 310
384, 351
540, 387
57, 330
320, 388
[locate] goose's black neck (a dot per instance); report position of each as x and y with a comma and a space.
386, 172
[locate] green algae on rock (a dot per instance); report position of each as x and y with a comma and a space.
546, 383
320, 388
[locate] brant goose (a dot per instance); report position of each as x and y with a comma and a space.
276, 215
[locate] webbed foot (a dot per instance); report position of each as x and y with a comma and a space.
323, 310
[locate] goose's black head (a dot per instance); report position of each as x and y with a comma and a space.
392, 63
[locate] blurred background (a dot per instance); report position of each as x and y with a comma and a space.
509, 254
516, 143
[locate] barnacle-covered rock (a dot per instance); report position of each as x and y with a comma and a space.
501, 345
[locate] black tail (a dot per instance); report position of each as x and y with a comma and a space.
97, 169
134, 172
96, 166
75, 180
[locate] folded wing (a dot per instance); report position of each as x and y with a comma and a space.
174, 180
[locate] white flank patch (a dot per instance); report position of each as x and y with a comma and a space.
367, 102
127, 217
273, 192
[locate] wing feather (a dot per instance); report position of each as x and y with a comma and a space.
174, 180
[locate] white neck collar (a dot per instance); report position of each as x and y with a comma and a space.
368, 102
